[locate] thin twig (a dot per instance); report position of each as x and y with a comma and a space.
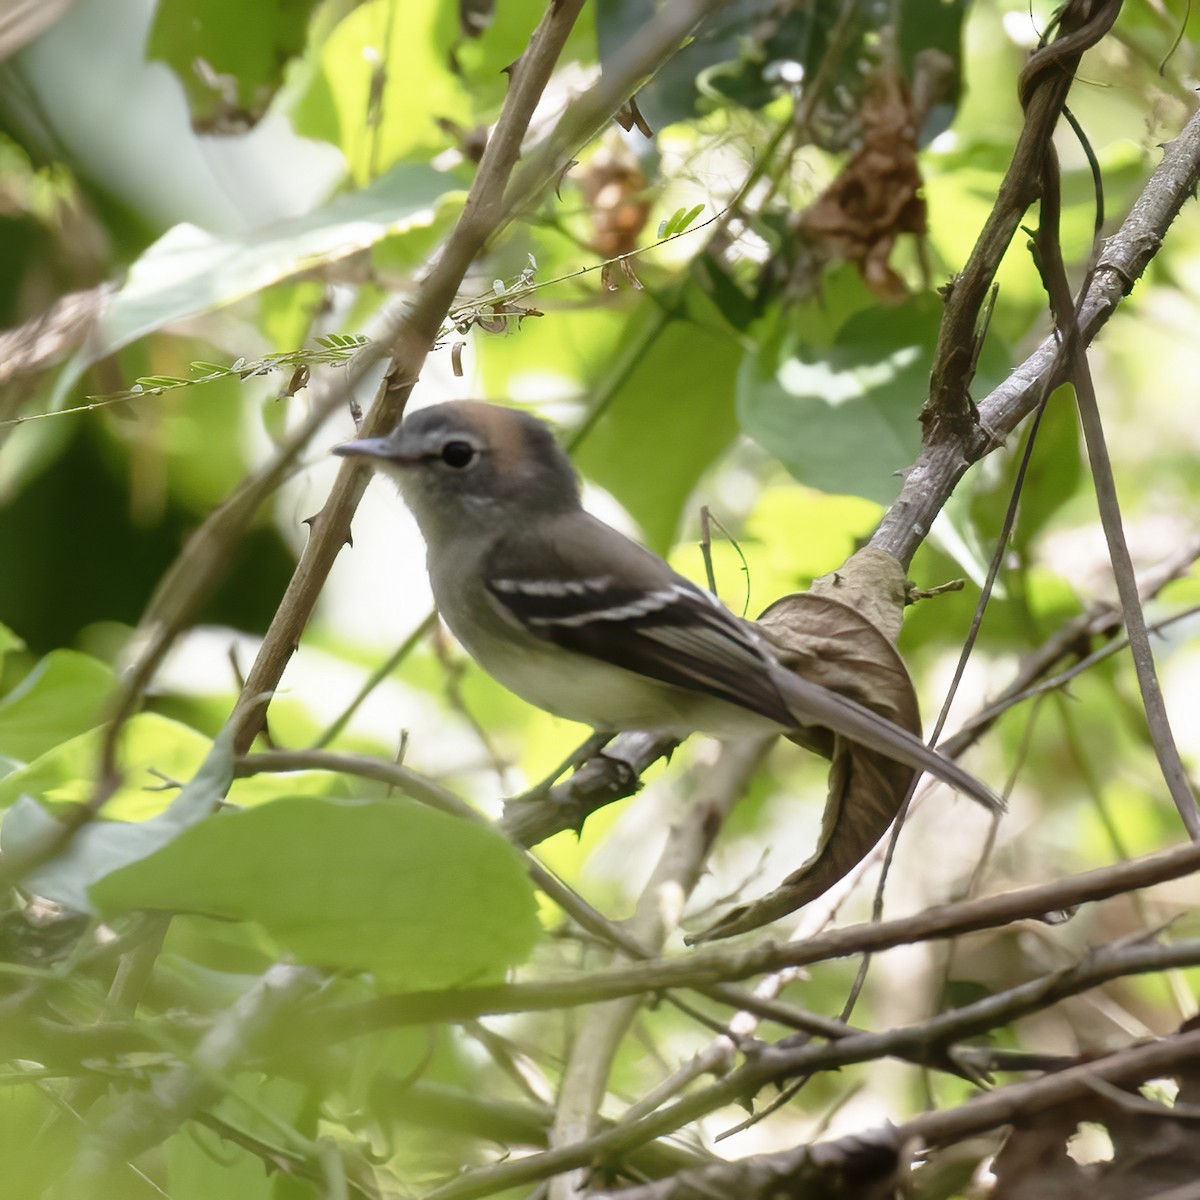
758, 1176
1063, 305
585, 1080
780, 1062
147, 1118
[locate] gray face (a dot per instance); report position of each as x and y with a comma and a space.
461, 465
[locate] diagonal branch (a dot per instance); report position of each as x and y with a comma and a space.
1123, 258
805, 1169
785, 1061
1045, 82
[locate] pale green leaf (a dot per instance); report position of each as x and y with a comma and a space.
190, 270
415, 896
64, 695
104, 846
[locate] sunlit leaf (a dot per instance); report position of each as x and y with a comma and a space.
670, 415
64, 695
417, 897
191, 270
844, 418
229, 56
377, 62
101, 847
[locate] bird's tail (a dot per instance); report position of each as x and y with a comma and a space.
855, 721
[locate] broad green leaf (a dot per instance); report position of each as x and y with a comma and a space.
671, 413
152, 748
202, 444
385, 79
956, 534
64, 695
286, 312
191, 270
204, 1165
229, 56
1053, 477
557, 355
844, 418
103, 846
777, 561
34, 1145
419, 898
484, 61
200, 1166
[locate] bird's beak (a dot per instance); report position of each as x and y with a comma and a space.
381, 447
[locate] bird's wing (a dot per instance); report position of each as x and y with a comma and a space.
593, 591
625, 606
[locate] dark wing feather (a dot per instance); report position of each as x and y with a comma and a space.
583, 586
642, 616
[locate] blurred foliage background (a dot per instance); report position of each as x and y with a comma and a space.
203, 182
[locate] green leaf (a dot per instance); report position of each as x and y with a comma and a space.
926, 25
103, 846
671, 415
191, 270
384, 80
151, 747
64, 695
419, 898
228, 55
844, 418
679, 220
1055, 469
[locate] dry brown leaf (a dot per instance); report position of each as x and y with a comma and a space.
614, 189
833, 636
872, 583
876, 196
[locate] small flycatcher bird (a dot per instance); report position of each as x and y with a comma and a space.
579, 620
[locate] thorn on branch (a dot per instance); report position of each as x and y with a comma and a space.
562, 175
629, 115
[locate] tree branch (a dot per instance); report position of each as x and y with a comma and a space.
585, 1080
806, 1168
703, 968
1062, 304
1044, 85
1123, 258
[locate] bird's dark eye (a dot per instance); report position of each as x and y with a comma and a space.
457, 454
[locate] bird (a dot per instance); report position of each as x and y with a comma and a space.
582, 621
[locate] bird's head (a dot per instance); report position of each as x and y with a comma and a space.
464, 462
